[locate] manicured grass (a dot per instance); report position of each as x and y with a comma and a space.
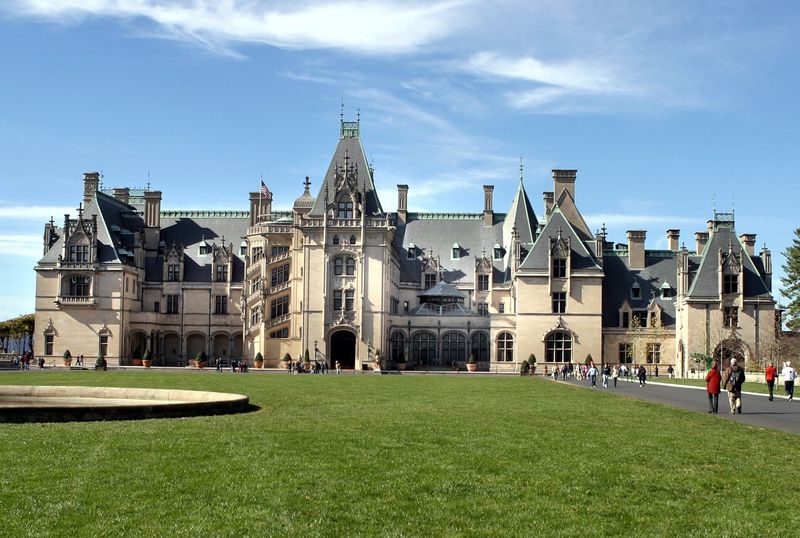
375, 455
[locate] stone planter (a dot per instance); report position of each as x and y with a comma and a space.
284, 365
136, 362
376, 366
259, 364
472, 367
67, 362
147, 363
401, 366
198, 364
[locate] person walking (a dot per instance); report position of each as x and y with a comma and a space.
615, 375
338, 367
789, 375
770, 375
713, 379
642, 375
606, 375
592, 373
670, 371
733, 378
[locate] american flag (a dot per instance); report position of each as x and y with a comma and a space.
265, 191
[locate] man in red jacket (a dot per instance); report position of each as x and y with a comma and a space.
770, 374
713, 379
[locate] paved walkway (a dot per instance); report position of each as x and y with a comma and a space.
757, 410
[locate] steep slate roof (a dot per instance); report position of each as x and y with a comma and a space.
566, 204
660, 267
706, 279
442, 290
523, 217
538, 258
117, 224
438, 232
349, 144
191, 231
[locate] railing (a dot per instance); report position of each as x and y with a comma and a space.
66, 264
278, 257
279, 287
75, 301
277, 321
269, 228
344, 223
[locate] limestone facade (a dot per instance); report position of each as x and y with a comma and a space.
347, 281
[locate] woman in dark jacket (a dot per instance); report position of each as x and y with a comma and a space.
713, 379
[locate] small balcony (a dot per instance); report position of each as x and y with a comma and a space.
69, 301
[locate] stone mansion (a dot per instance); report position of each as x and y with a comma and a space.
341, 277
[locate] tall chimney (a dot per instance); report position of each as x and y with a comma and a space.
549, 200
700, 238
254, 207
636, 248
91, 184
123, 194
152, 219
402, 202
564, 180
749, 242
488, 214
673, 239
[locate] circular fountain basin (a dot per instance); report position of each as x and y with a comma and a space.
27, 403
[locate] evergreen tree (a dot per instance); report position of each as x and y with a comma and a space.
791, 282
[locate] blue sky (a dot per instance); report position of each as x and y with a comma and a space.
663, 107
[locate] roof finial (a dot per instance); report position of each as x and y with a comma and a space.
307, 184
603, 229
148, 180
358, 114
521, 169
341, 110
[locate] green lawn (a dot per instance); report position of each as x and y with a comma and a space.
368, 455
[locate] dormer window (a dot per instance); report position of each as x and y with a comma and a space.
730, 284
173, 272
666, 291
79, 253
456, 253
412, 251
222, 273
203, 250
636, 291
498, 252
243, 249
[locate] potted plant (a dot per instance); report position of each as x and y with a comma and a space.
525, 368
376, 361
589, 360
136, 357
67, 358
306, 361
285, 361
401, 361
100, 363
532, 363
258, 362
147, 359
200, 359
472, 364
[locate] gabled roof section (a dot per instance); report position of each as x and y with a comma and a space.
557, 224
349, 146
706, 280
566, 203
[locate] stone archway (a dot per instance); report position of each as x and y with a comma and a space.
343, 349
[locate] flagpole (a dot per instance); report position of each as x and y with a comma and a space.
260, 194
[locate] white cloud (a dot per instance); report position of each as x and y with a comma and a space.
34, 212
27, 245
375, 27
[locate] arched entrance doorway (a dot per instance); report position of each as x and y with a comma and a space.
343, 349
727, 350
